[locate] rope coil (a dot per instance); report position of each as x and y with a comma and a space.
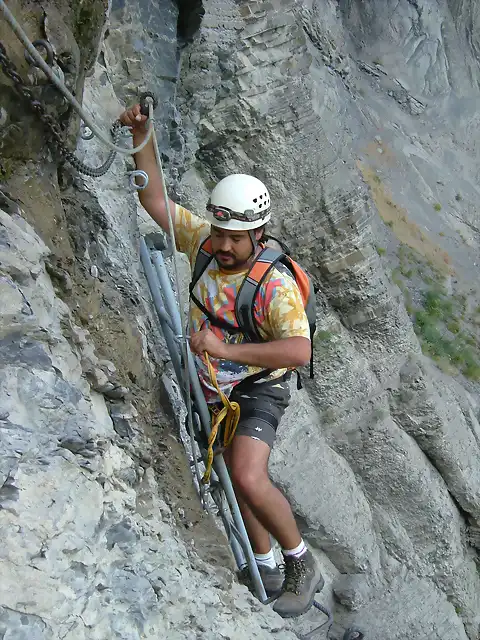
230, 412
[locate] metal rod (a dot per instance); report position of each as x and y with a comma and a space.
224, 512
328, 623
166, 290
165, 320
201, 406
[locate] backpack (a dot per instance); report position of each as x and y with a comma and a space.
264, 262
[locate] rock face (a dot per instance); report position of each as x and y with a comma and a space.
330, 103
103, 536
312, 97
90, 549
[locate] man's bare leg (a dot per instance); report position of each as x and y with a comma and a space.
263, 506
267, 510
258, 535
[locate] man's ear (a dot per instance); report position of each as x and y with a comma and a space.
259, 233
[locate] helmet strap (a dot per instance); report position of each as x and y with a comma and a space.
253, 238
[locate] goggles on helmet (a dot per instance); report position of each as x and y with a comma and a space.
222, 214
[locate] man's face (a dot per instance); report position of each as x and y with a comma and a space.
232, 249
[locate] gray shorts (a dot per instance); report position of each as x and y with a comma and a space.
262, 405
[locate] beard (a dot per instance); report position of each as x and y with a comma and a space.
229, 262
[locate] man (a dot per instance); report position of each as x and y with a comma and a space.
237, 212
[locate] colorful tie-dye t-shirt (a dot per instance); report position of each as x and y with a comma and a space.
279, 309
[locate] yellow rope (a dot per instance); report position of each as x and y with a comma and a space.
230, 412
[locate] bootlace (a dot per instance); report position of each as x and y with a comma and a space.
295, 570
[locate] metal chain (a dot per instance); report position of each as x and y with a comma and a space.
53, 129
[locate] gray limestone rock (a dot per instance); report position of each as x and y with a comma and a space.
344, 109
80, 559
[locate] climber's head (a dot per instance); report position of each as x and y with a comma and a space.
238, 209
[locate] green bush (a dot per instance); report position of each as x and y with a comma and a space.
437, 305
431, 323
437, 206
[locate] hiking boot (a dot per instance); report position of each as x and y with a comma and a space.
272, 579
302, 581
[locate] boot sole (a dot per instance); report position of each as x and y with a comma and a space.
272, 594
318, 588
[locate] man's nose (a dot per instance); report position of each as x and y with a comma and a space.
226, 245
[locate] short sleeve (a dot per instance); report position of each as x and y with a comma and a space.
285, 315
190, 231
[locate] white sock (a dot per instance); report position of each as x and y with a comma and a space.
266, 559
297, 552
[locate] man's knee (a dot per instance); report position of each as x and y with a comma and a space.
250, 483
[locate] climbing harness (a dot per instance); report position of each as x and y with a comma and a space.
167, 307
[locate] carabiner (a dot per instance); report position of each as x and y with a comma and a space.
138, 173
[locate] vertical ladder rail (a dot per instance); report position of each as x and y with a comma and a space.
166, 307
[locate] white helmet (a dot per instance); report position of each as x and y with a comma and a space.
239, 203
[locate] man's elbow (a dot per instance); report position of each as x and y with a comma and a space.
302, 354
302, 362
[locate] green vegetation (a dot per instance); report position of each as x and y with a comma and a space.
454, 327
412, 264
87, 18
381, 251
323, 339
441, 335
442, 322
437, 206
324, 336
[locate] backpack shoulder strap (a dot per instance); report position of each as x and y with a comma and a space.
203, 259
247, 294
280, 243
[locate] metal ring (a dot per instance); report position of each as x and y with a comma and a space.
41, 44
138, 173
144, 103
85, 132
